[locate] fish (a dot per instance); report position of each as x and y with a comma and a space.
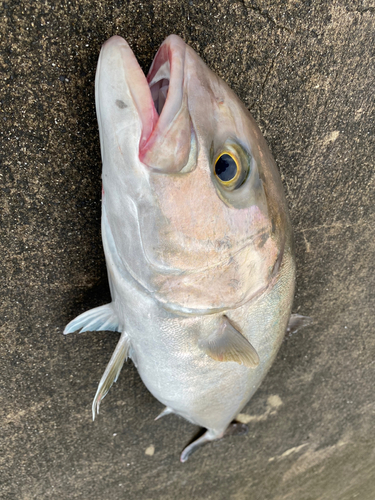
196, 234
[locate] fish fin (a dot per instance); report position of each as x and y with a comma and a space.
165, 412
95, 320
233, 429
112, 371
226, 343
208, 436
297, 321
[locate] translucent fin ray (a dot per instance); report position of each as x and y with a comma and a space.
95, 320
297, 321
112, 372
165, 412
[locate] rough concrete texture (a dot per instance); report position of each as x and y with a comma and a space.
306, 72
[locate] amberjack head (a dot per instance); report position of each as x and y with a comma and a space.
192, 195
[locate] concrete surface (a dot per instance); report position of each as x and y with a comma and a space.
306, 71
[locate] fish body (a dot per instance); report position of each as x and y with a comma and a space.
196, 235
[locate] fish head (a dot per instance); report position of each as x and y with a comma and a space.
191, 194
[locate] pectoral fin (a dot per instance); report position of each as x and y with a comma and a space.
95, 320
228, 344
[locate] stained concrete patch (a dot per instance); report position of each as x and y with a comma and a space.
289, 452
309, 459
273, 403
331, 137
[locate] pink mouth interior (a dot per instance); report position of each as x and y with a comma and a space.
159, 76
159, 92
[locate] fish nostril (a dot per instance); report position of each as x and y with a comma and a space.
121, 104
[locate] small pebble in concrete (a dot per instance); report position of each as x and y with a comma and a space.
150, 450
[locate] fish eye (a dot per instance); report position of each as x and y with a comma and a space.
227, 169
231, 167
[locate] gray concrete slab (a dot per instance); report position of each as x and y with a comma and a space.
306, 72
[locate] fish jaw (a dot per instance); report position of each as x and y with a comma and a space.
125, 111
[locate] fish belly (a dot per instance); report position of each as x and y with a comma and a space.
165, 350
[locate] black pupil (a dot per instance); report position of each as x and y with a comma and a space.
225, 168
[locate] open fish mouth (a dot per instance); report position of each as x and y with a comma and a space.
165, 81
158, 100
